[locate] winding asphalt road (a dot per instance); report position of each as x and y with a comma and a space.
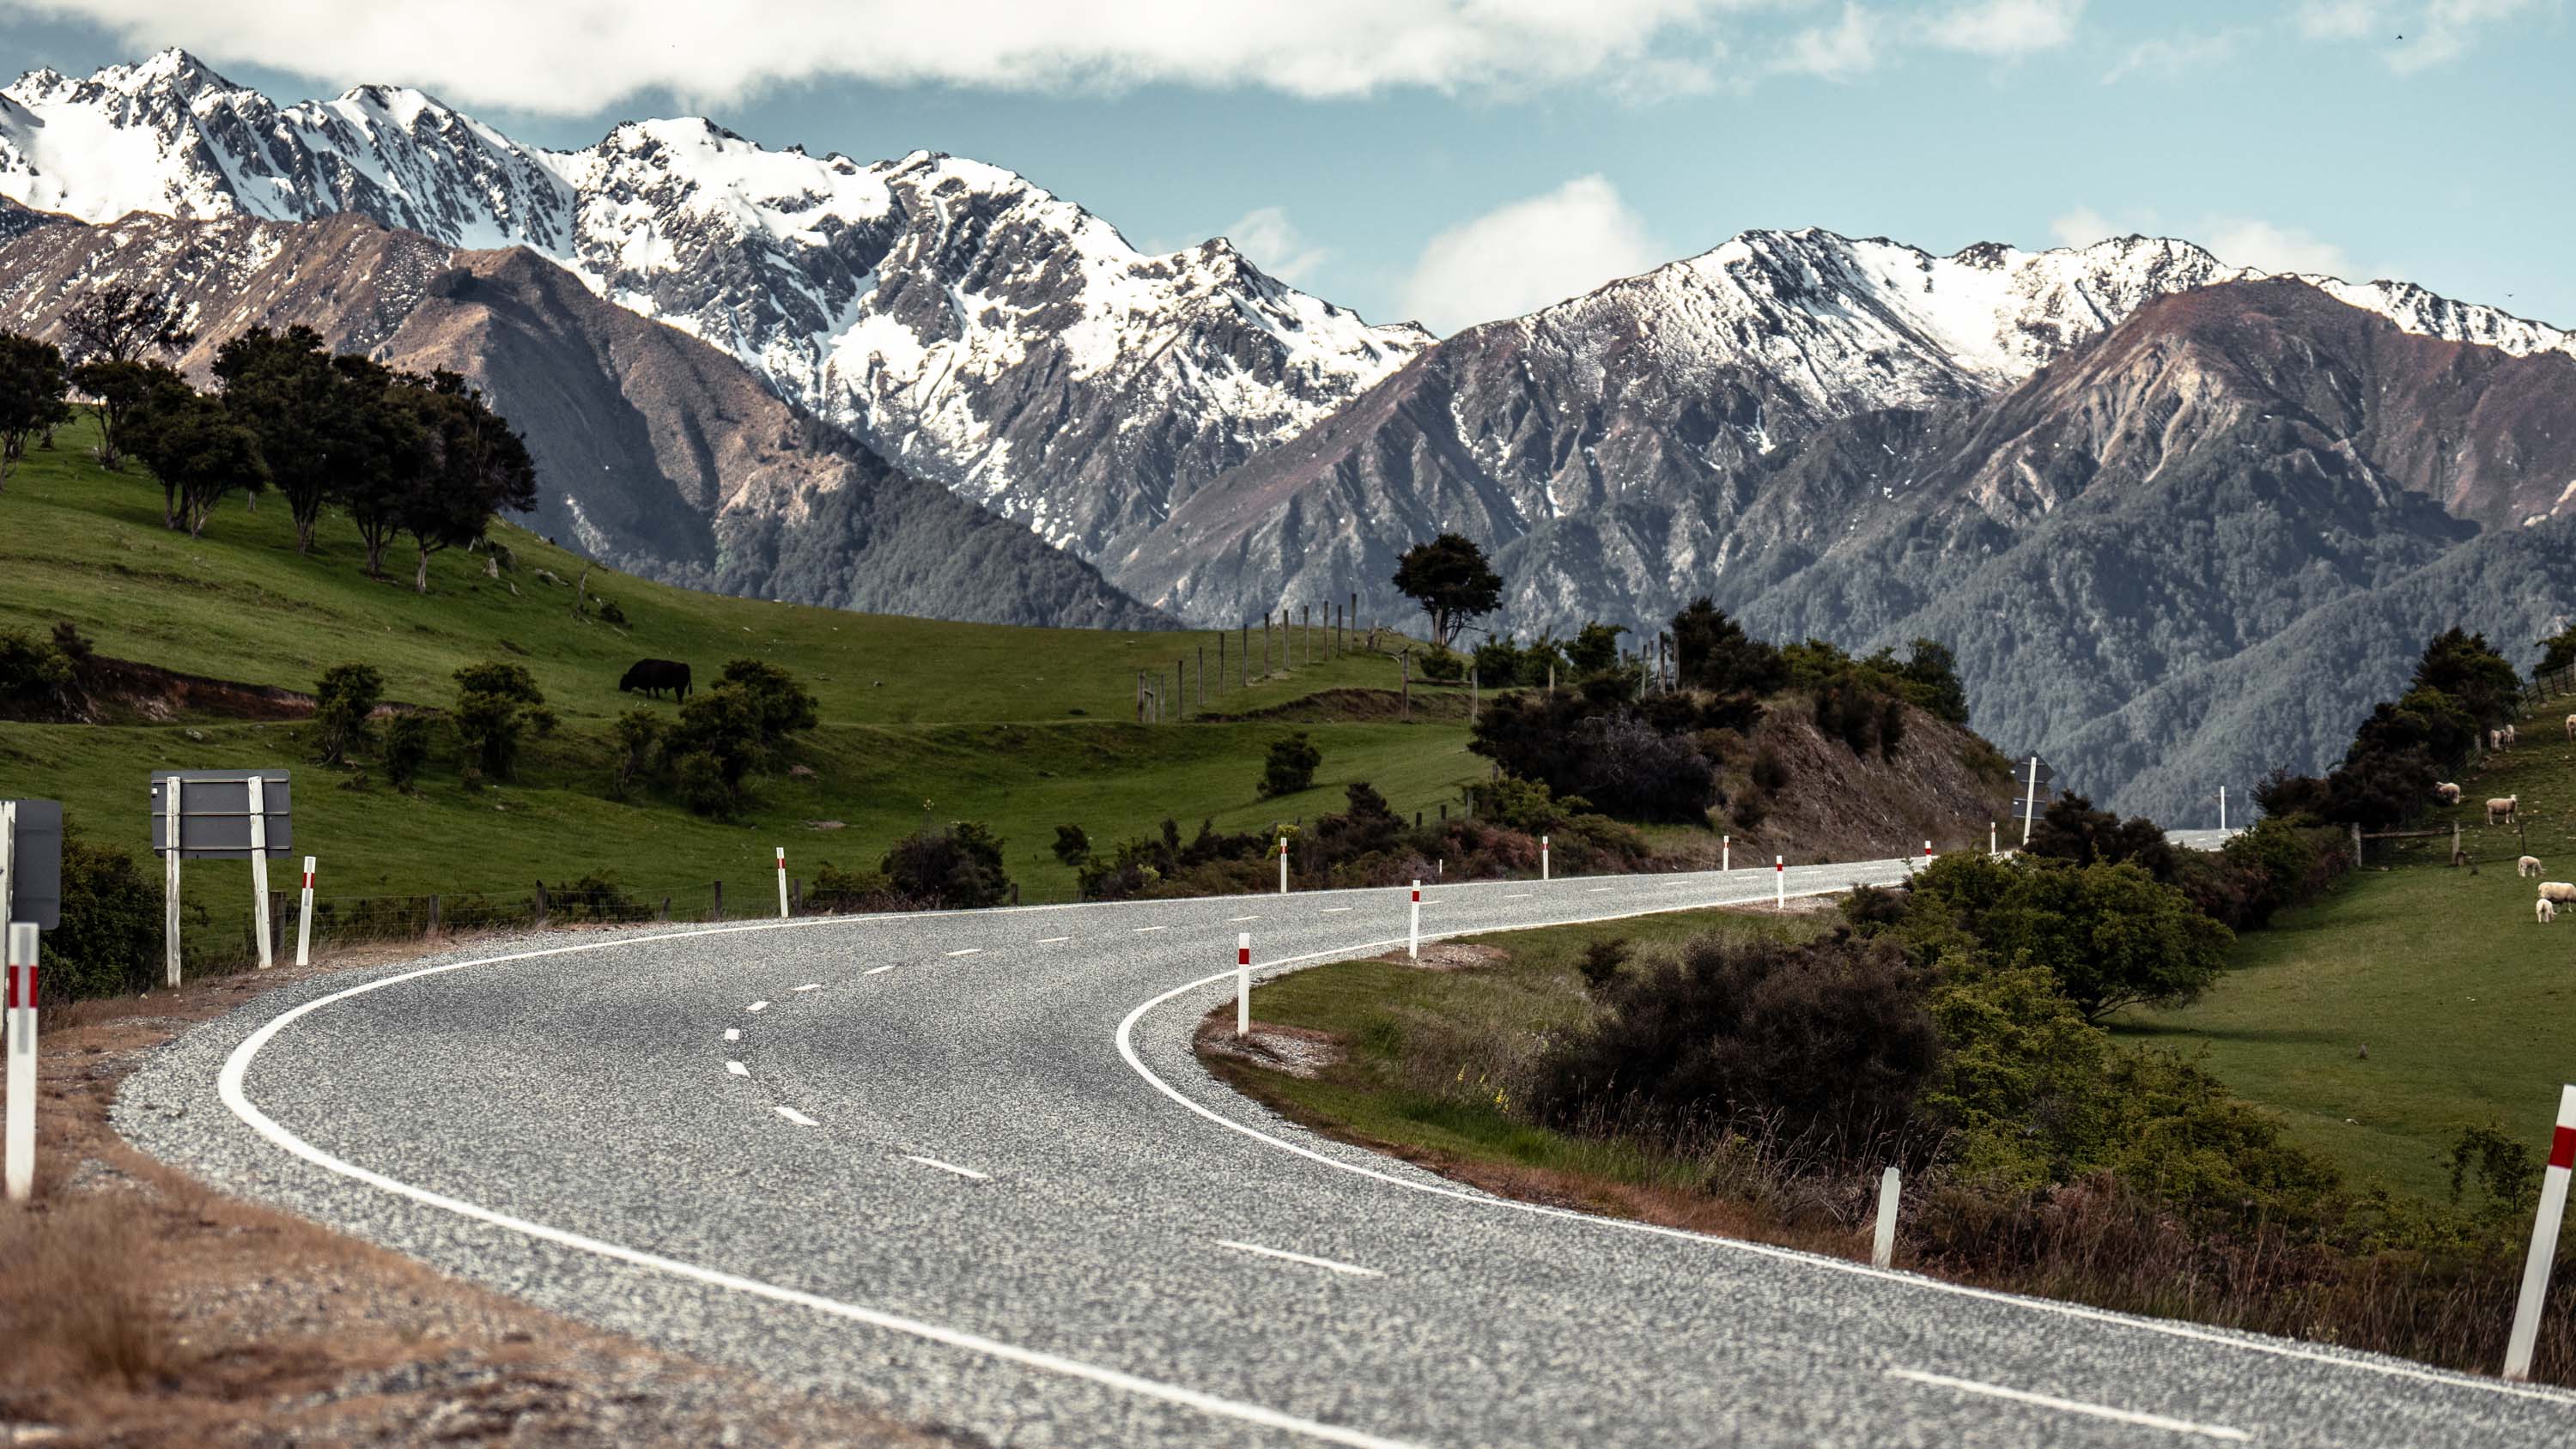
962, 1167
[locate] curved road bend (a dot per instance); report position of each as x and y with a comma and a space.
964, 1168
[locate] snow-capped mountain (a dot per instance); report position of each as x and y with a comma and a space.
981, 332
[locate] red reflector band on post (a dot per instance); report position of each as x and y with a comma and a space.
1243, 957
2562, 1148
22, 988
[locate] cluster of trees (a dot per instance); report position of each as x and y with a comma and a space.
2461, 689
402, 454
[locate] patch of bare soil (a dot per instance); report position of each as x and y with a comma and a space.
141, 1307
1451, 956
1298, 1051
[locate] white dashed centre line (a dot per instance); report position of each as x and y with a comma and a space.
811, 986
1327, 1264
2074, 1406
1524, 895
760, 1006
969, 951
1335, 910
1597, 890
733, 1033
1051, 940
738, 1069
1140, 930
876, 971
949, 1167
792, 1115
1238, 920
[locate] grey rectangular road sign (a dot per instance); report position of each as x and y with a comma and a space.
36, 866
214, 808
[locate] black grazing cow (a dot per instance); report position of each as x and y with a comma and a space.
655, 675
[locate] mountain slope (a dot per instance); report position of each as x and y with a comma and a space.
978, 330
660, 454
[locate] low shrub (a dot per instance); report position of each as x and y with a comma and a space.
953, 868
109, 942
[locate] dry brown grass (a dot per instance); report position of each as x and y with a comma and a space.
79, 1275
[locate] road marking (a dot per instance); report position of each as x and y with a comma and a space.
2073, 1406
876, 971
1335, 910
969, 951
738, 1069
1597, 890
811, 986
733, 1033
1525, 895
1140, 930
949, 1167
1051, 940
1327, 1264
760, 1006
230, 1088
792, 1115
1238, 920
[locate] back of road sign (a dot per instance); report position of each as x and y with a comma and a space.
36, 866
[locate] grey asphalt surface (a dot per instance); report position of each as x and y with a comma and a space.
1080, 1290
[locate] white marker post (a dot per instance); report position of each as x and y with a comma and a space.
2222, 810
1927, 852
2030, 802
1283, 865
2535, 1269
259, 871
1882, 1247
1243, 983
1990, 838
170, 888
304, 919
8, 856
1413, 937
1780, 881
1542, 858
1725, 853
782, 882
21, 1026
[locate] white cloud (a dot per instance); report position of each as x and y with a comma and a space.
1524, 255
1274, 244
2411, 37
1847, 49
566, 58
2006, 28
2082, 227
2248, 242
2175, 54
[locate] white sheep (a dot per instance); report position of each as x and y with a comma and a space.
2558, 893
2501, 807
2571, 727
2512, 736
2495, 741
2529, 865
2448, 793
2544, 912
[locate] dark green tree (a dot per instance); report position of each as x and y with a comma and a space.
32, 385
1595, 649
1072, 847
2477, 678
2557, 652
959, 867
1290, 766
282, 386
1451, 580
342, 702
493, 703
109, 334
1712, 652
200, 454
477, 465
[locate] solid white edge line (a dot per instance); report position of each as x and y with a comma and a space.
1353, 1269
1127, 1048
2073, 1406
969, 951
229, 1088
738, 1069
948, 1167
792, 1115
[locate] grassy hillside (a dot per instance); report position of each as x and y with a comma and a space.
2461, 998
1021, 728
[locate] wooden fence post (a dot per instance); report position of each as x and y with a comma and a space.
666, 908
719, 910
541, 903
2356, 845
796, 896
433, 917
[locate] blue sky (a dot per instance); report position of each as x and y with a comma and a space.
1458, 159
